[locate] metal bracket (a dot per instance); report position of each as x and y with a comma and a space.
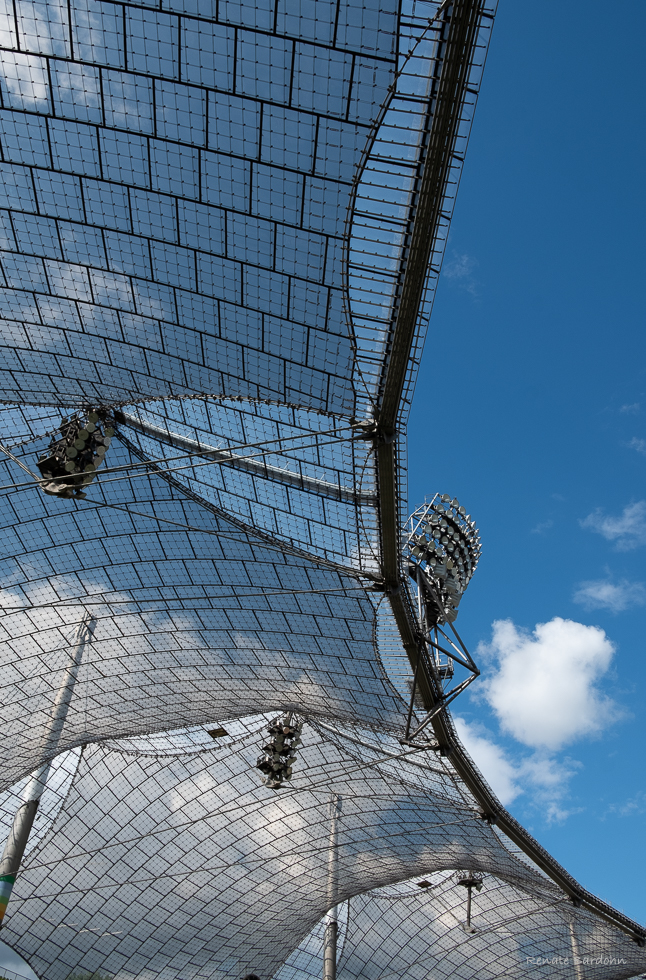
430, 613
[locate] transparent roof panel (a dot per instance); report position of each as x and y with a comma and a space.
211, 214
176, 186
195, 617
175, 864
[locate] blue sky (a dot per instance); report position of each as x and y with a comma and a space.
543, 419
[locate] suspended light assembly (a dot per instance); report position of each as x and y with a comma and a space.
75, 452
279, 753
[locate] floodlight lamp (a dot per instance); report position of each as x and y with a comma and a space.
74, 453
451, 552
280, 752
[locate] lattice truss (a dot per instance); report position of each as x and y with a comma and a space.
206, 217
168, 857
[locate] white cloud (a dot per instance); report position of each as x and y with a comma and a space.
543, 686
638, 444
459, 268
491, 760
542, 778
629, 530
543, 526
604, 594
630, 409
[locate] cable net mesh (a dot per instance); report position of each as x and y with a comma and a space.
174, 864
195, 618
206, 209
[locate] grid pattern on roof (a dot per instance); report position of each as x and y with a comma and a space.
300, 477
196, 617
175, 865
183, 187
206, 209
175, 187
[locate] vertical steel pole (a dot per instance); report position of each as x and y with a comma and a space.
23, 821
331, 922
576, 959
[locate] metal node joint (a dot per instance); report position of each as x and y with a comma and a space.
372, 431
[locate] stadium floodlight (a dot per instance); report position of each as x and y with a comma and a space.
75, 451
443, 548
279, 753
443, 542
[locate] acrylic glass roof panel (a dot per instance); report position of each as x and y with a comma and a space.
407, 931
196, 617
177, 192
178, 863
417, 929
300, 477
169, 863
175, 189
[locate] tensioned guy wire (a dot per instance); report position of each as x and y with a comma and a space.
101, 473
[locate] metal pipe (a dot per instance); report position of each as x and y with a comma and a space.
249, 464
331, 919
576, 959
23, 820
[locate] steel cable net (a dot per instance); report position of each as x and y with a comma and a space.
174, 865
195, 618
206, 211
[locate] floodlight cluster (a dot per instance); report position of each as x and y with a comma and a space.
74, 453
444, 540
279, 753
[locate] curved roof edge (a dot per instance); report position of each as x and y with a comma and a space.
462, 20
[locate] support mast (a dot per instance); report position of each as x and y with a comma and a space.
331, 919
25, 815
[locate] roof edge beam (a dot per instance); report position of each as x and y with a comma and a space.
462, 19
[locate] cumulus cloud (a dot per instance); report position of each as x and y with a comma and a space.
615, 596
629, 530
539, 776
491, 760
542, 688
